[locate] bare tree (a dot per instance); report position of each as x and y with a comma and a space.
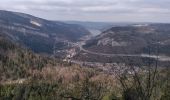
138, 82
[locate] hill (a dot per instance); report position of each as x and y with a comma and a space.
16, 61
36, 33
132, 39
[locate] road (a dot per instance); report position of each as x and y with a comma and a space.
160, 57
81, 43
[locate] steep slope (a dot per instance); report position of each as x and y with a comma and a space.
134, 39
16, 61
36, 33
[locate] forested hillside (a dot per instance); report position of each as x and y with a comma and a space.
36, 33
16, 61
132, 39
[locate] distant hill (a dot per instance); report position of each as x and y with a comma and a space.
36, 33
93, 25
98, 27
132, 39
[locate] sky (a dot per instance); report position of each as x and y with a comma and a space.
93, 10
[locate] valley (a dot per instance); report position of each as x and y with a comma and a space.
74, 60
78, 49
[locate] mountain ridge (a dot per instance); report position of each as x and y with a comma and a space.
37, 33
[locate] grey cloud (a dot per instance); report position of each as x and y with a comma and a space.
109, 10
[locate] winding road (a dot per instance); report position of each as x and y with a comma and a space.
160, 57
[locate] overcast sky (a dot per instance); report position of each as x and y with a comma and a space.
93, 10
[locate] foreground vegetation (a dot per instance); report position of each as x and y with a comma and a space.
76, 83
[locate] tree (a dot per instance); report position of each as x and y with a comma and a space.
139, 82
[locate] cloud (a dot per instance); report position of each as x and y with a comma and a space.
108, 9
